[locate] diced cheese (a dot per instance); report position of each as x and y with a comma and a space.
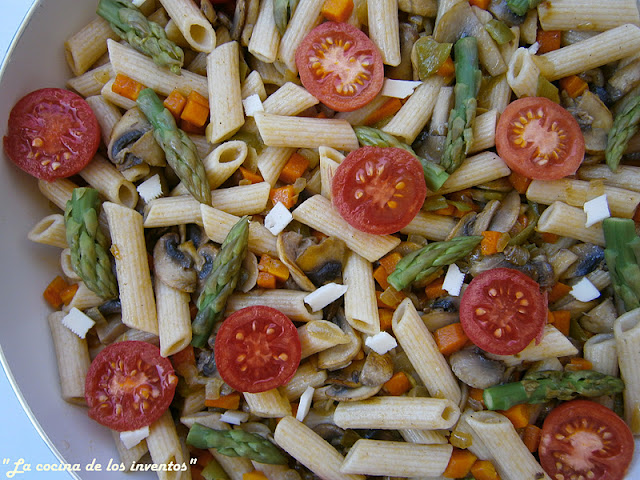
132, 438
381, 343
234, 417
323, 296
398, 88
584, 290
453, 280
252, 104
78, 322
278, 218
597, 210
304, 404
150, 189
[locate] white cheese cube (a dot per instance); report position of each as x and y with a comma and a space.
150, 189
132, 438
453, 280
234, 417
78, 322
584, 290
398, 88
323, 296
252, 104
381, 343
278, 218
597, 210
304, 404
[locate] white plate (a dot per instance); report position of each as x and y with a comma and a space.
36, 60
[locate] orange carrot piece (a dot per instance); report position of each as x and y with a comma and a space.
196, 97
251, 176
447, 69
398, 384
450, 338
548, 40
549, 237
53, 291
483, 4
127, 87
385, 315
448, 211
186, 356
380, 275
489, 243
387, 109
391, 298
273, 266
562, 321
294, 168
287, 195
189, 127
573, 85
434, 289
266, 280
459, 464
255, 475
228, 402
175, 103
579, 363
68, 293
337, 10
484, 470
531, 437
390, 261
476, 394
519, 182
196, 111
519, 415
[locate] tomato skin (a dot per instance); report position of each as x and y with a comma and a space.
573, 442
151, 386
52, 133
344, 73
538, 123
265, 341
503, 310
379, 190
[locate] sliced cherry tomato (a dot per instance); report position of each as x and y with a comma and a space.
52, 133
340, 66
257, 348
379, 189
503, 310
583, 439
129, 385
539, 139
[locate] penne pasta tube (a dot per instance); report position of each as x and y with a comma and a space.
84, 298
384, 29
265, 38
164, 446
50, 231
425, 437
318, 335
106, 113
578, 14
169, 211
253, 84
329, 161
430, 225
602, 352
568, 221
129, 456
289, 302
195, 28
269, 404
65, 265
523, 73
627, 176
174, 318
271, 161
305, 17
484, 131
104, 177
91, 82
307, 375
626, 330
481, 168
289, 99
57, 192
390, 413
360, 304
85, 47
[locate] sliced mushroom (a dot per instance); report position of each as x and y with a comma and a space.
507, 215
464, 226
483, 219
474, 369
341, 355
204, 263
172, 266
239, 19
342, 393
287, 245
249, 273
132, 142
408, 36
377, 369
590, 256
323, 262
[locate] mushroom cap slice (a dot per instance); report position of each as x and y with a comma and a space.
287, 245
172, 266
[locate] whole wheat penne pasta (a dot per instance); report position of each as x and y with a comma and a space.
50, 231
72, 355
254, 199
568, 221
104, 177
168, 211
289, 99
360, 115
218, 223
289, 302
106, 113
115, 98
86, 46
307, 375
484, 131
253, 84
225, 97
129, 456
593, 52
195, 28
578, 14
481, 168
269, 404
626, 330
317, 212
271, 161
477, 447
310, 449
390, 413
136, 172
305, 132
235, 467
91, 82
141, 68
523, 74
164, 446
396, 459
420, 346
360, 304
330, 158
305, 17
529, 27
602, 352
318, 335
425, 437
430, 225
627, 176
441, 109
341, 355
132, 268
265, 38
384, 29
252, 12
58, 192
174, 318
175, 35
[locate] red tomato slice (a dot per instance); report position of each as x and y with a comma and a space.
340, 66
129, 385
52, 133
539, 139
503, 310
257, 348
583, 439
379, 189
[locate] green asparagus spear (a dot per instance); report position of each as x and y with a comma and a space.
521, 7
434, 174
221, 282
180, 152
468, 77
622, 254
429, 259
625, 125
89, 246
542, 386
145, 36
236, 443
